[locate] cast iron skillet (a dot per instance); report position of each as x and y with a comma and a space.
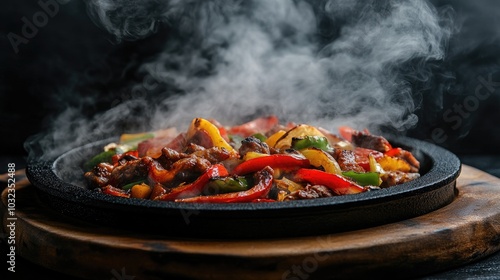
60, 186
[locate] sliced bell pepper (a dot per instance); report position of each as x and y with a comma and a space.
259, 125
394, 152
362, 157
264, 179
158, 174
227, 184
319, 158
364, 178
308, 141
212, 131
251, 155
346, 132
195, 188
223, 133
105, 156
114, 191
260, 136
394, 164
285, 161
134, 138
130, 185
271, 140
336, 183
141, 191
374, 165
301, 130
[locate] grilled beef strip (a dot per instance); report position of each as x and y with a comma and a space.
252, 144
309, 192
184, 170
347, 160
214, 154
129, 172
369, 141
392, 178
98, 177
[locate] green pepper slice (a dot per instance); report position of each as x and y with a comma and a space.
130, 185
227, 185
319, 142
133, 139
260, 136
102, 157
364, 178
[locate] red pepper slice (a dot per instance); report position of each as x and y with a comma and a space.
159, 175
259, 125
264, 179
195, 188
274, 161
394, 152
362, 158
346, 132
114, 191
336, 183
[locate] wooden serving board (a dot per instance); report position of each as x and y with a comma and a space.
461, 232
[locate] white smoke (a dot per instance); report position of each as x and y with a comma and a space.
326, 63
265, 57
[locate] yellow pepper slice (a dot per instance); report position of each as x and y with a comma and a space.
213, 132
271, 140
319, 158
394, 164
251, 155
141, 191
285, 141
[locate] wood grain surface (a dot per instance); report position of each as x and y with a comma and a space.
466, 230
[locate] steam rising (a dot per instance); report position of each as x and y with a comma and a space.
326, 63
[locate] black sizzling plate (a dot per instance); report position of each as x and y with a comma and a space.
60, 185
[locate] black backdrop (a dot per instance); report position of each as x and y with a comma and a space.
70, 59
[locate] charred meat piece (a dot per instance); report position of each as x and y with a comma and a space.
415, 164
183, 170
188, 169
369, 141
347, 160
124, 158
192, 147
252, 144
392, 178
214, 154
98, 177
169, 156
309, 192
129, 172
152, 147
